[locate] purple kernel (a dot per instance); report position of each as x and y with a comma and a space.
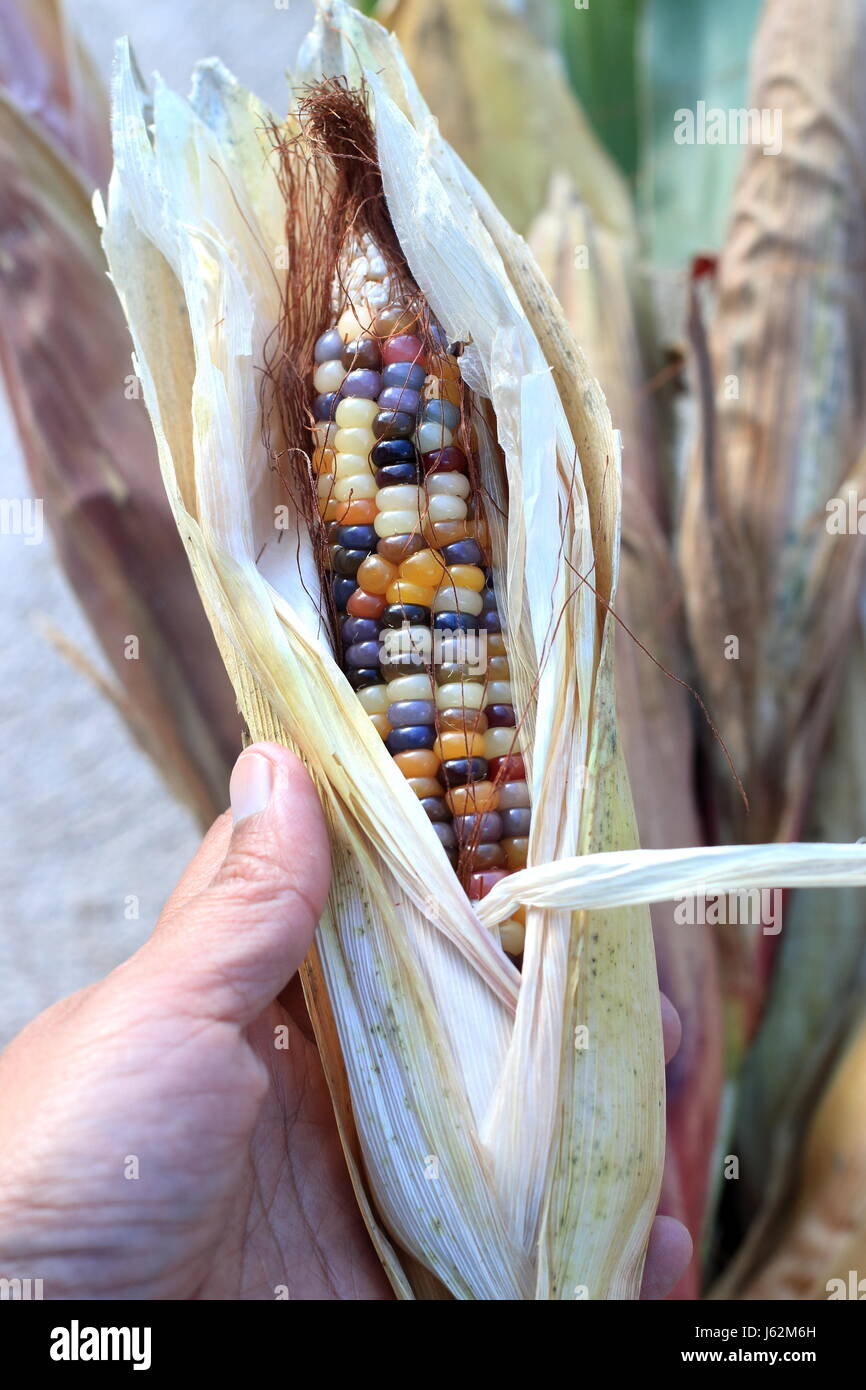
400, 398
483, 827
329, 348
405, 712
446, 836
515, 823
501, 716
364, 383
362, 655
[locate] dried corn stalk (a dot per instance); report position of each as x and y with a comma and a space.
87, 443
503, 101
771, 589
820, 1253
817, 988
547, 1155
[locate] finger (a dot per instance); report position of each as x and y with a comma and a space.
202, 868
231, 948
667, 1258
672, 1029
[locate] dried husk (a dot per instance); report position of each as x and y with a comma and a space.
655, 713
86, 439
817, 988
548, 1156
50, 78
783, 426
503, 102
824, 1242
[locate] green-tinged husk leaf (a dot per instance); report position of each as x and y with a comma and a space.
504, 103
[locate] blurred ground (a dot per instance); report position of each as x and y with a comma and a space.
88, 835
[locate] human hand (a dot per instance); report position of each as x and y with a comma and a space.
154, 1143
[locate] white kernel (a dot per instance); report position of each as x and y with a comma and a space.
453, 600
328, 377
445, 484
357, 487
445, 508
396, 523
399, 498
498, 693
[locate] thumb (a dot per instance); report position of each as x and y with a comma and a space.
231, 947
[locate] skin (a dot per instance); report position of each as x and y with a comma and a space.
167, 1068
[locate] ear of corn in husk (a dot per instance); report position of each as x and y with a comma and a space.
547, 1156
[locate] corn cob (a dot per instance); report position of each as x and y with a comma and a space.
419, 632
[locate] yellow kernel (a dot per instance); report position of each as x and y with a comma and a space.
517, 852
375, 575
446, 367
462, 744
324, 460
424, 567
467, 577
472, 799
401, 592
425, 786
418, 762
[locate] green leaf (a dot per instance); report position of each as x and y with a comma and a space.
599, 44
689, 54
